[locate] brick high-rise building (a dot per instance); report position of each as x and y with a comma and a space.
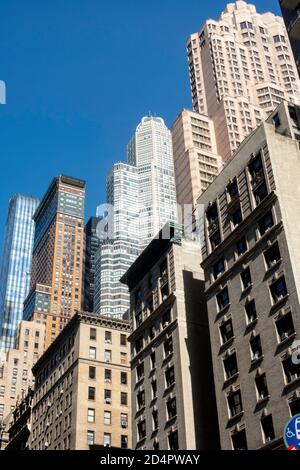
241, 67
56, 278
290, 13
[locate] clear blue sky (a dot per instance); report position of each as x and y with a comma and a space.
80, 74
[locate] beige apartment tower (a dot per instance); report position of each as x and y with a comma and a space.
15, 371
241, 67
196, 160
173, 400
82, 387
251, 260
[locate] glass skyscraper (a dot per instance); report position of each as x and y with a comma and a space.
16, 266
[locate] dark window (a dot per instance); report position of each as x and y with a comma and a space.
166, 319
150, 281
141, 400
107, 375
153, 360
165, 292
124, 398
141, 430
124, 442
139, 344
268, 428
251, 313
261, 386
295, 407
219, 268
278, 289
163, 269
173, 441
93, 333
138, 296
92, 393
154, 389
172, 408
260, 193
152, 331
168, 346
239, 440
170, 376
226, 331
155, 445
265, 223
233, 189
223, 299
241, 246
212, 213
246, 278
140, 371
123, 340
285, 326
92, 372
255, 346
139, 318
255, 166
155, 419
235, 403
230, 366
123, 378
107, 396
237, 217
272, 255
291, 370
215, 239
108, 337
276, 120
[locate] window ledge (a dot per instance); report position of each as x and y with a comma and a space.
231, 379
257, 359
224, 309
287, 339
279, 302
251, 323
169, 387
237, 416
261, 400
228, 342
274, 265
171, 420
246, 289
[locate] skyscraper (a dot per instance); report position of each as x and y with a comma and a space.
241, 67
290, 12
92, 243
16, 266
143, 198
56, 278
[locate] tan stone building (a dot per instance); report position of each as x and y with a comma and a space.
241, 67
82, 389
15, 371
173, 401
251, 260
56, 277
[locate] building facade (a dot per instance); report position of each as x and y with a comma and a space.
15, 371
82, 389
20, 427
251, 264
173, 401
57, 264
290, 13
241, 67
92, 244
142, 197
196, 160
16, 266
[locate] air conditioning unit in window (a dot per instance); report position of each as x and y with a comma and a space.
256, 355
46, 445
107, 381
124, 424
62, 391
108, 401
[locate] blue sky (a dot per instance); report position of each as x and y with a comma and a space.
80, 74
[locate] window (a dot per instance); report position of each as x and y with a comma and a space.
268, 428
168, 347
261, 386
233, 189
272, 255
93, 333
239, 440
246, 278
92, 354
223, 299
107, 375
215, 239
92, 372
241, 246
285, 326
108, 337
256, 349
107, 355
141, 399
170, 376
237, 217
212, 213
260, 193
107, 439
107, 396
139, 344
141, 430
219, 268
265, 223
155, 420
278, 290
226, 331
291, 370
165, 292
124, 399
171, 408
152, 331
90, 438
124, 420
91, 415
92, 393
154, 389
163, 269
107, 418
166, 319
123, 358
173, 440
251, 313
255, 166
230, 366
124, 442
138, 296
123, 340
140, 371
123, 378
153, 360
235, 403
